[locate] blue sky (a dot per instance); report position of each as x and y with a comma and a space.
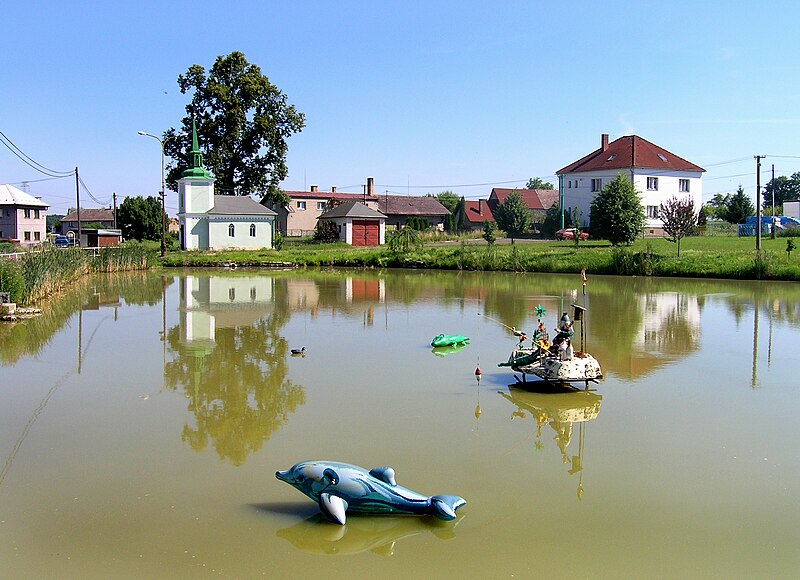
421, 96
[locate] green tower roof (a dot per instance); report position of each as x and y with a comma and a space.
196, 169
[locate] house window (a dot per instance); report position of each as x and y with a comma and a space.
597, 184
27, 213
27, 236
231, 231
232, 294
683, 185
36, 214
252, 230
652, 183
253, 294
652, 211
320, 205
301, 205
36, 236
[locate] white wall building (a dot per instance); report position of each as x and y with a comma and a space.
213, 222
656, 173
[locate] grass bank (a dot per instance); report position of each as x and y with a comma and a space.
31, 276
701, 257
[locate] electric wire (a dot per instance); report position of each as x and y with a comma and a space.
11, 146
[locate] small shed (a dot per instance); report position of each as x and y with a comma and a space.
101, 238
357, 224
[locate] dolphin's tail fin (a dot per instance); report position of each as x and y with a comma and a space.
444, 506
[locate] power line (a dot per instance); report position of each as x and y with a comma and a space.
33, 164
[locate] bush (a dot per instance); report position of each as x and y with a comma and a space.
12, 279
326, 232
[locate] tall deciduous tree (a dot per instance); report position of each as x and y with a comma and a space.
139, 218
784, 188
538, 183
679, 219
513, 216
243, 122
616, 213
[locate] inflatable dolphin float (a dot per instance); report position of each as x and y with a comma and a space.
339, 487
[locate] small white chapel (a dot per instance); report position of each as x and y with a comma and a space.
215, 222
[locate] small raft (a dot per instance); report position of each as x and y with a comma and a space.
561, 367
449, 340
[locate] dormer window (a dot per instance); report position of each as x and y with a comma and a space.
612, 157
664, 159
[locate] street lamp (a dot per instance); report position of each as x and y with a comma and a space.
162, 142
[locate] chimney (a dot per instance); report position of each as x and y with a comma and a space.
313, 189
604, 141
480, 207
370, 187
333, 189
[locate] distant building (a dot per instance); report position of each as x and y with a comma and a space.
209, 221
656, 173
357, 224
398, 208
23, 218
299, 217
101, 217
476, 213
538, 201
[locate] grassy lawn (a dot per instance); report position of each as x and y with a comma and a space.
710, 257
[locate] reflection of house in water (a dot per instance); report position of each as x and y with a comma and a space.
348, 295
559, 411
654, 328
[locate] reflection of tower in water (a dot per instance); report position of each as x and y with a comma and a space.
560, 411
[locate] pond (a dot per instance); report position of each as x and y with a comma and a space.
143, 417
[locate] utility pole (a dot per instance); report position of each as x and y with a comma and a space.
78, 200
758, 159
772, 234
114, 197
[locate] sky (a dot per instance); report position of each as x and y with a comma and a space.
423, 97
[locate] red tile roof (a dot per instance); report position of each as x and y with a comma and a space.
478, 212
536, 199
630, 151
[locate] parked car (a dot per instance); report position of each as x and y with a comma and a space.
63, 241
569, 234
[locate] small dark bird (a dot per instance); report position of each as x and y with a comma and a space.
298, 351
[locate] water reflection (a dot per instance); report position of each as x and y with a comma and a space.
558, 411
229, 359
361, 534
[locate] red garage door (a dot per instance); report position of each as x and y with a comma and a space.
366, 232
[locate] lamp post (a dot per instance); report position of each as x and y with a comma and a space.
162, 142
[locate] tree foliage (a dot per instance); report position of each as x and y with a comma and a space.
538, 183
738, 207
785, 188
679, 219
243, 121
489, 229
616, 213
139, 218
326, 232
513, 216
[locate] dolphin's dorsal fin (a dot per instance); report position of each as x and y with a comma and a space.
385, 474
333, 507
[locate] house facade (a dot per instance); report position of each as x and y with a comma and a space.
212, 222
299, 217
23, 218
357, 224
656, 174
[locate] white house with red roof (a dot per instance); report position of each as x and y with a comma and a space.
299, 216
657, 175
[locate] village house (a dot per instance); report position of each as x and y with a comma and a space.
215, 222
399, 208
23, 218
476, 213
299, 217
101, 217
538, 201
656, 173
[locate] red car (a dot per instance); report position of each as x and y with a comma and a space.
569, 234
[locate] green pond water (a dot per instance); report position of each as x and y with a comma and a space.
143, 417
